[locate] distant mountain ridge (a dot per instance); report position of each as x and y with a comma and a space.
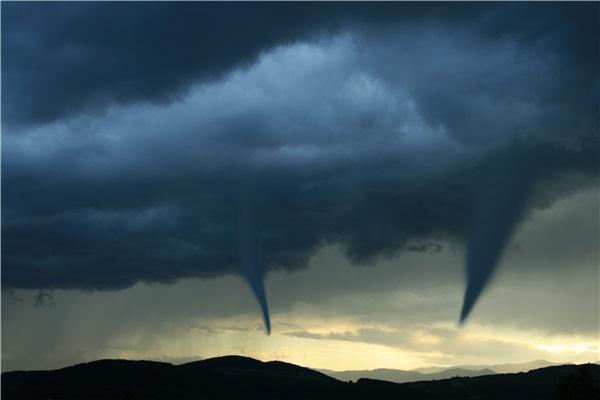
402, 376
513, 368
435, 373
235, 377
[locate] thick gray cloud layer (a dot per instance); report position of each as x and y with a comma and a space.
88, 56
130, 152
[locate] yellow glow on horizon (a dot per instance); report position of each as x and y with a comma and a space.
557, 343
565, 348
337, 344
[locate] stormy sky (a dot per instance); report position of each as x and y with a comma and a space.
381, 185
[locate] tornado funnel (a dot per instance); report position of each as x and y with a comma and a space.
251, 262
498, 210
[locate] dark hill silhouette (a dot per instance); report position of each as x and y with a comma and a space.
235, 377
245, 366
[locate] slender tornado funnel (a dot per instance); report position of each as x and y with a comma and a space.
251, 259
497, 212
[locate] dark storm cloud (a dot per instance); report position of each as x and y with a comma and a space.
63, 59
82, 57
134, 135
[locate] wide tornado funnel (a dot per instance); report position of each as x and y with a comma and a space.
497, 212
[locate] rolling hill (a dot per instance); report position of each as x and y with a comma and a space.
234, 377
